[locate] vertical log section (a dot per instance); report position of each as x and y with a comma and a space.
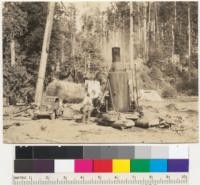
44, 55
119, 87
118, 79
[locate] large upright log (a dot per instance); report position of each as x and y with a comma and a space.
44, 55
118, 79
119, 90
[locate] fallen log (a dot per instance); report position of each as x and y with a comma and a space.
142, 123
133, 116
67, 91
116, 121
123, 124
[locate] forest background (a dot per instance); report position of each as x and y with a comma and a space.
165, 46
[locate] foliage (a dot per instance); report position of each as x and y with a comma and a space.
25, 24
17, 82
155, 73
169, 92
188, 87
14, 22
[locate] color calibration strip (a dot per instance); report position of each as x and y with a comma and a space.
105, 159
104, 166
102, 152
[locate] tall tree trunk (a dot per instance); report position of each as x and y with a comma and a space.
44, 54
189, 44
154, 25
102, 34
132, 53
139, 40
62, 49
123, 42
12, 52
105, 43
131, 34
173, 31
173, 41
156, 17
175, 12
149, 29
113, 34
145, 31
73, 29
58, 67
73, 45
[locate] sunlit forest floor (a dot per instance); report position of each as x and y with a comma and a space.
26, 130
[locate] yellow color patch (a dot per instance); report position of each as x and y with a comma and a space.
121, 165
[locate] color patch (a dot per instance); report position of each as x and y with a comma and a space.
126, 152
122, 165
91, 152
178, 165
109, 152
178, 152
83, 166
140, 165
158, 165
23, 152
63, 166
23, 166
102, 166
159, 152
117, 152
142, 152
54, 152
43, 166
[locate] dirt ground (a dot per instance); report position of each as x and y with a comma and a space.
26, 130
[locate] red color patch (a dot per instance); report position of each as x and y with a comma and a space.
102, 165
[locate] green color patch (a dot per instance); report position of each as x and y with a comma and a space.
140, 165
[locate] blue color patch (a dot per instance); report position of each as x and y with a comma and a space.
158, 165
